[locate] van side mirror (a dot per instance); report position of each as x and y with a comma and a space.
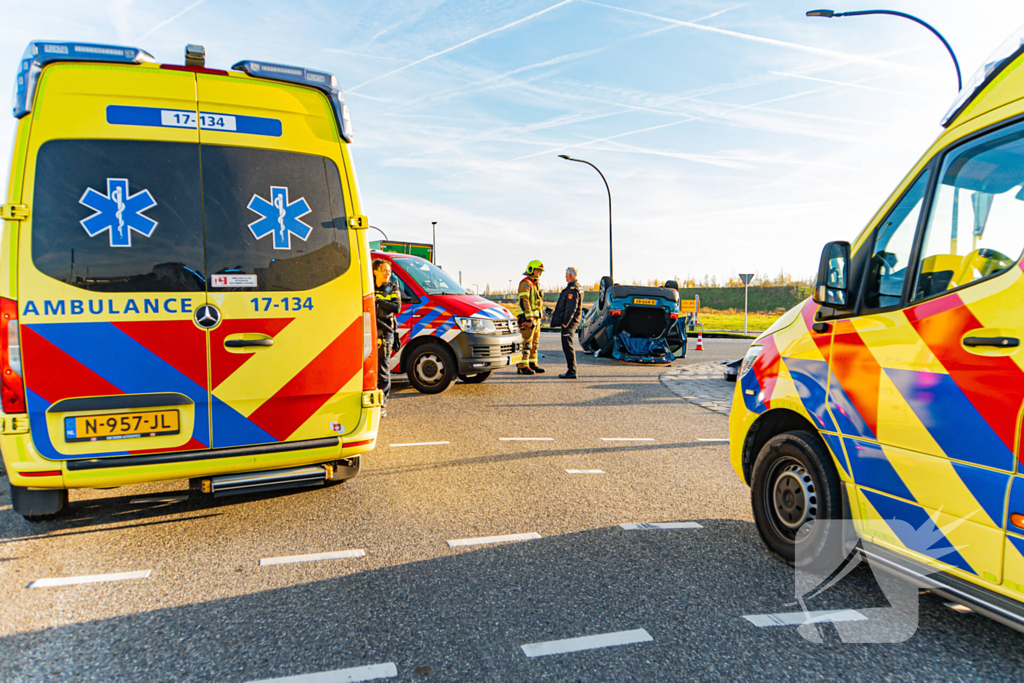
832, 287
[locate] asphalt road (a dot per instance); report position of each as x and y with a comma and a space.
413, 605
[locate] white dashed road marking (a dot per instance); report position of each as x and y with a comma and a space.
557, 647
290, 559
661, 525
798, 618
91, 578
483, 540
525, 438
422, 443
585, 471
162, 499
353, 675
623, 439
713, 440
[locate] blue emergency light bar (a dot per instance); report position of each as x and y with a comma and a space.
321, 80
39, 53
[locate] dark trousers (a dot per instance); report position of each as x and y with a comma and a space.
569, 350
384, 367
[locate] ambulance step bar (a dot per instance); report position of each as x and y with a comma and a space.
268, 480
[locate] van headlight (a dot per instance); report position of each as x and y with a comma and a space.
753, 353
477, 325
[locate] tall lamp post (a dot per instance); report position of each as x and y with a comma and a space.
381, 232
611, 256
433, 240
829, 14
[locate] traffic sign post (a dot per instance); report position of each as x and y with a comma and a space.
746, 278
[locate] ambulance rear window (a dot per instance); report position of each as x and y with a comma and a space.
119, 215
277, 215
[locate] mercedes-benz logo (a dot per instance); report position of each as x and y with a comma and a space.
207, 316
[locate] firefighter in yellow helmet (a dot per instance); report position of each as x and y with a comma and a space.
531, 303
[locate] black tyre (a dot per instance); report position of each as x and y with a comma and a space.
38, 506
431, 368
794, 482
475, 379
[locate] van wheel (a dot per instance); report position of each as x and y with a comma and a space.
431, 368
794, 482
475, 379
38, 506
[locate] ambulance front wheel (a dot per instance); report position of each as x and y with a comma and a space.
38, 506
795, 495
432, 367
475, 379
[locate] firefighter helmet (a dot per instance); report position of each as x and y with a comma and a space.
533, 266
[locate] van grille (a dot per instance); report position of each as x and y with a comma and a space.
504, 326
494, 351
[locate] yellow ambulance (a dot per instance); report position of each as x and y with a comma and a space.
894, 397
185, 285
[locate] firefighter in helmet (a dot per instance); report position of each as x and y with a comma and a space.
531, 303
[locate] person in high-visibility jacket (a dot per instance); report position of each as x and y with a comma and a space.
531, 303
388, 305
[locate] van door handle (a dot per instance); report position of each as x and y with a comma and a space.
241, 343
999, 342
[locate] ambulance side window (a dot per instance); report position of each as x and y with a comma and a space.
277, 215
976, 226
890, 253
119, 215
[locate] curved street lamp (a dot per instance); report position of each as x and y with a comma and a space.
611, 257
380, 231
828, 14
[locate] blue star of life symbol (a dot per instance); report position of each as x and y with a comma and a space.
118, 212
279, 217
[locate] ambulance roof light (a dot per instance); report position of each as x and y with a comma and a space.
39, 53
321, 80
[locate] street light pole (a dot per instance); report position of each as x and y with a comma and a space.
381, 232
829, 14
433, 240
611, 256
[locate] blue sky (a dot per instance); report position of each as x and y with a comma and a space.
736, 136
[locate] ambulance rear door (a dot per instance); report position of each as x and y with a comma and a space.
110, 265
286, 354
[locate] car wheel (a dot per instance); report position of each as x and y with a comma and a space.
431, 368
794, 482
38, 506
475, 379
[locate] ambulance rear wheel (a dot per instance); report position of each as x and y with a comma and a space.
475, 379
794, 492
38, 506
431, 368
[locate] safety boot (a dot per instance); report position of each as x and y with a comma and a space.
525, 370
537, 369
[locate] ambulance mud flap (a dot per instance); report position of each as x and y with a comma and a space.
270, 480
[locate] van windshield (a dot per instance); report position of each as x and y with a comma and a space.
432, 279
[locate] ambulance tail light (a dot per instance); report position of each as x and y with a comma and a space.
12, 390
369, 344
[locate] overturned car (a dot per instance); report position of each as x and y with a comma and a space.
635, 324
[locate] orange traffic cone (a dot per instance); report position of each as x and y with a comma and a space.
700, 342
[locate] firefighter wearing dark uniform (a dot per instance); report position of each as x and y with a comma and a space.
388, 304
568, 312
531, 302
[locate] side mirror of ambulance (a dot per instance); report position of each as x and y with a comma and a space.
832, 286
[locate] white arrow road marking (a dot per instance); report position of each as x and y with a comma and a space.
90, 578
798, 618
291, 559
661, 525
557, 647
372, 672
483, 540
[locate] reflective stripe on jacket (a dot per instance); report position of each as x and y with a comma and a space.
531, 301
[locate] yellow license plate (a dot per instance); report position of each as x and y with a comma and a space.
515, 359
645, 302
121, 426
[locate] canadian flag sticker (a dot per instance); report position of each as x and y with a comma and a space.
232, 280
